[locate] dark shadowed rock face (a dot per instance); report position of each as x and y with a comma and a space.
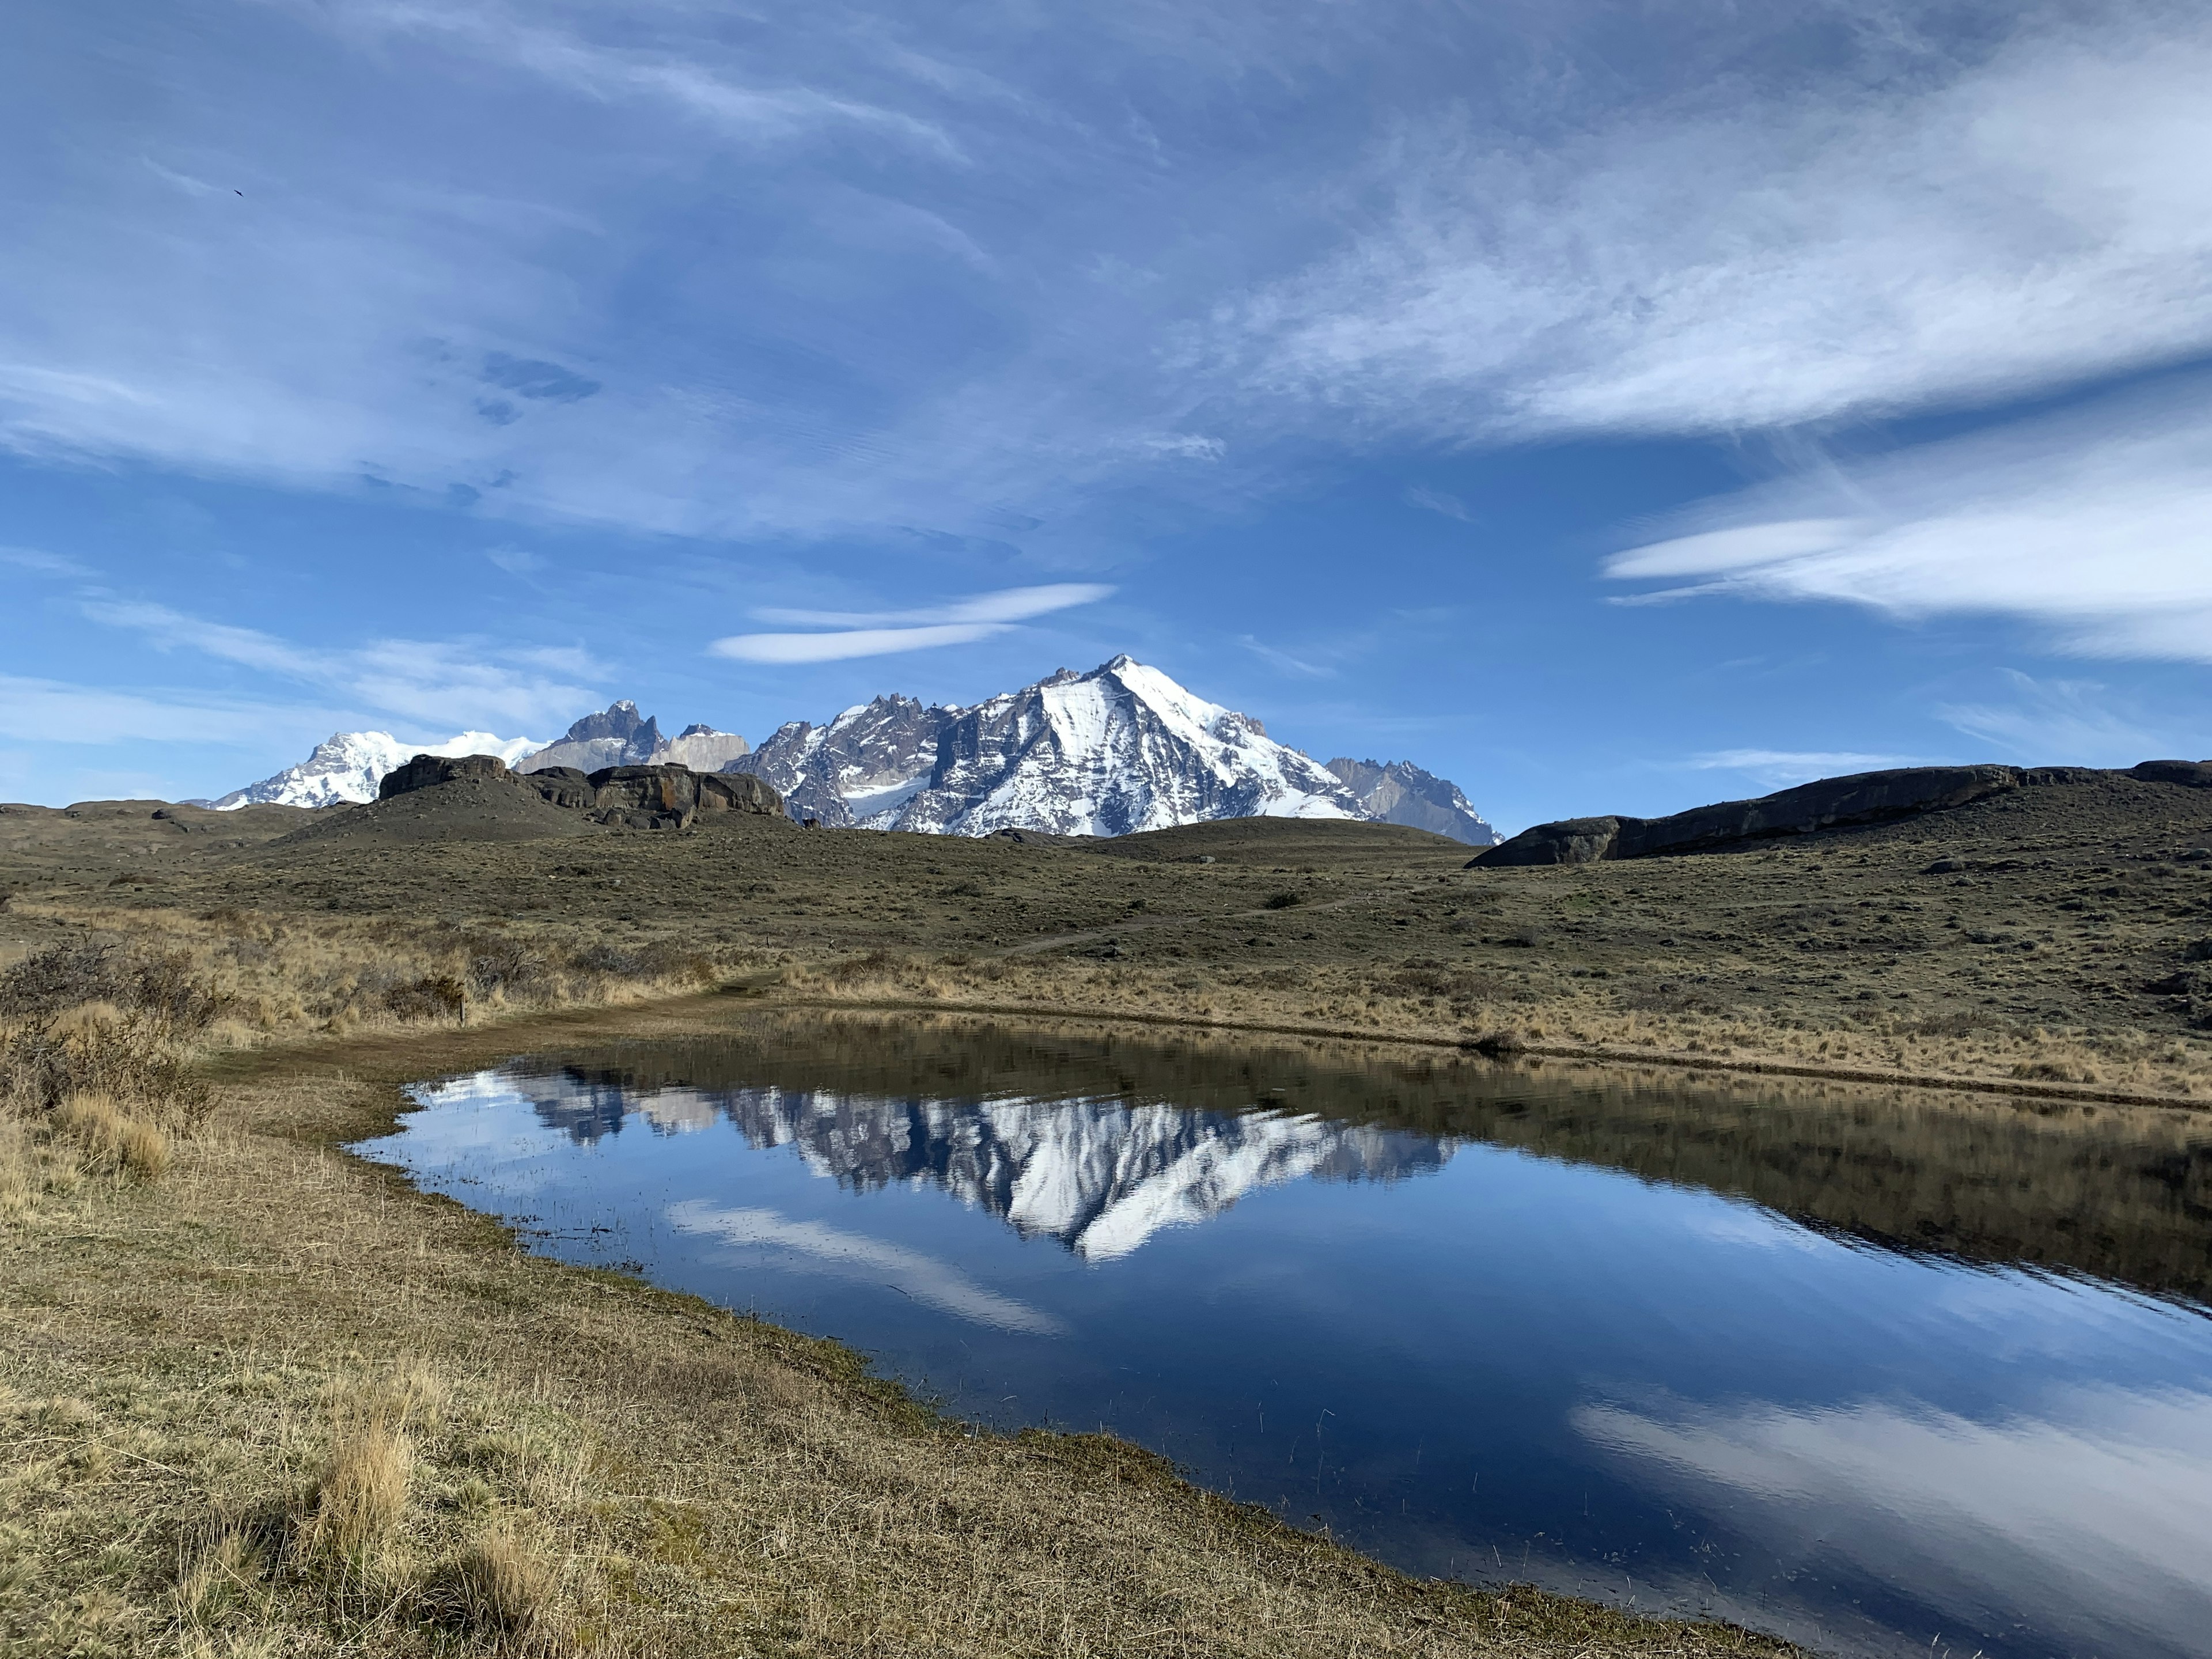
1570, 841
1862, 797
615, 735
2190, 774
426, 771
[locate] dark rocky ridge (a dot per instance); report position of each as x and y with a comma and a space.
1856, 801
626, 797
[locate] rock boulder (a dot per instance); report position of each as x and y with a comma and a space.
631, 797
426, 771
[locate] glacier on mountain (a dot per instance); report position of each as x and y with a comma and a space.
347, 767
1100, 1177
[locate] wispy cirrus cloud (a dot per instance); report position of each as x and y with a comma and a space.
884, 632
1968, 227
2095, 524
1019, 218
1779, 767
2065, 723
435, 683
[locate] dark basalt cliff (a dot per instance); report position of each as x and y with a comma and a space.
629, 797
1845, 803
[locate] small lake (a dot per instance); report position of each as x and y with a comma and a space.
1886, 1374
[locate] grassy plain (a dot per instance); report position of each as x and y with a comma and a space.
261, 1398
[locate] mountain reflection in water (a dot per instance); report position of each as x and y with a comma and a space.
1870, 1370
1100, 1175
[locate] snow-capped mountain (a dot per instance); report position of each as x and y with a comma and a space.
1401, 793
1100, 1177
861, 768
619, 736
347, 767
1119, 749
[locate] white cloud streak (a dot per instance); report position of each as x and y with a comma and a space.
2019, 222
1779, 767
654, 196
2086, 1516
2096, 524
926, 1280
962, 622
2066, 723
435, 683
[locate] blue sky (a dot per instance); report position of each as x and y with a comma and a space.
1611, 407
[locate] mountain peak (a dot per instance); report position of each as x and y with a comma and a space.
618, 721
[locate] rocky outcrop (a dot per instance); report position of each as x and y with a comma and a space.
428, 771
669, 797
1844, 803
347, 767
2190, 774
1402, 793
625, 796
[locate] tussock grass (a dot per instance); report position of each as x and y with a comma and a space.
112, 1140
1433, 1002
502, 1588
361, 1498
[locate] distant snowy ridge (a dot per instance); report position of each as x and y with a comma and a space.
1122, 748
861, 769
1119, 750
347, 767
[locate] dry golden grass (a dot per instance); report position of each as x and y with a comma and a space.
112, 1140
1436, 1005
279, 1402
361, 1498
502, 1588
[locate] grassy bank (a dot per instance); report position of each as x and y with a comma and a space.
261, 1398
2059, 940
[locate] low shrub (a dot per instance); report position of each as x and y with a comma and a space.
164, 986
434, 996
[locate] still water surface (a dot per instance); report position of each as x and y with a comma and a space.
1885, 1375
